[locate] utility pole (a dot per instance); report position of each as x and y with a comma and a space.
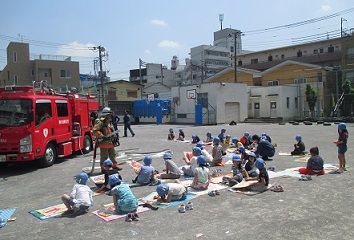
101, 53
235, 55
221, 18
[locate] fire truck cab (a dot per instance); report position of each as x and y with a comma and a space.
38, 124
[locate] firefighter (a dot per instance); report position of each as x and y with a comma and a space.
103, 130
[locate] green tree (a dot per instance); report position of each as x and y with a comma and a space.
311, 98
348, 98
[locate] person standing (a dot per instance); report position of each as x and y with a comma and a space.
342, 146
115, 120
102, 130
127, 124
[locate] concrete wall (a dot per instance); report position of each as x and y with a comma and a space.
220, 97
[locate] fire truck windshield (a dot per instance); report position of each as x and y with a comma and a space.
15, 112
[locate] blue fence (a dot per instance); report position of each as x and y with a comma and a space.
143, 108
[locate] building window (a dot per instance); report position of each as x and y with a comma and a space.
330, 49
350, 52
273, 83
65, 74
15, 80
240, 62
350, 76
32, 72
232, 49
321, 50
132, 94
255, 60
300, 80
15, 57
282, 56
287, 102
270, 58
299, 54
296, 102
258, 83
181, 115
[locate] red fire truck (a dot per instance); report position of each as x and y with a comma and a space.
38, 124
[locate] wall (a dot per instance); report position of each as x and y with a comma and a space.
218, 95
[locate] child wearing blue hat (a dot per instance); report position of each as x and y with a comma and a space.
299, 146
263, 177
237, 172
80, 198
217, 153
181, 136
196, 151
123, 199
146, 173
201, 175
171, 192
341, 143
246, 139
171, 135
250, 168
209, 139
108, 170
195, 139
172, 170
221, 136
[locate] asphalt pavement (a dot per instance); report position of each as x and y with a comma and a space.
318, 209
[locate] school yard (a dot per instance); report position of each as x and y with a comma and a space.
318, 209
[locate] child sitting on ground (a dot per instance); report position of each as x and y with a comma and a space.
299, 147
201, 175
221, 136
263, 177
108, 170
146, 173
123, 199
209, 139
195, 139
245, 139
192, 162
217, 153
181, 136
250, 168
171, 169
244, 155
314, 164
80, 198
171, 135
227, 140
205, 153
170, 192
235, 143
237, 172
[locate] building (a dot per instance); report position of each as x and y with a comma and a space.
118, 95
207, 60
153, 73
58, 71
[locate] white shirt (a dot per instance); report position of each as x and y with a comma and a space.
82, 194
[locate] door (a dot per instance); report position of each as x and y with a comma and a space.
273, 109
256, 109
232, 112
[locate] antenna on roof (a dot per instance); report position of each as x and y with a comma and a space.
221, 18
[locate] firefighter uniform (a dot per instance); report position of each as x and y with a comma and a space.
102, 130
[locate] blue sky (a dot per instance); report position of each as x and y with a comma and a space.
156, 30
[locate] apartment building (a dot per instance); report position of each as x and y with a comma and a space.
22, 68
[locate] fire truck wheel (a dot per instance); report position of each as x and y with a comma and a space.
87, 144
49, 157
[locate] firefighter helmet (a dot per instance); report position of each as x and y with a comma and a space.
106, 111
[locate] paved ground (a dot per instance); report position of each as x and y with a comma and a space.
317, 209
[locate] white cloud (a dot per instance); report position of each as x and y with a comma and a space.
169, 44
147, 51
76, 49
326, 8
159, 22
